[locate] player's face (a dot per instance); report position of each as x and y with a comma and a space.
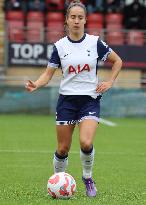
76, 20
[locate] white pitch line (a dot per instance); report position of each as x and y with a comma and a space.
107, 122
33, 151
71, 152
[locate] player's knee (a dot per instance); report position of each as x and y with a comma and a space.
86, 145
63, 150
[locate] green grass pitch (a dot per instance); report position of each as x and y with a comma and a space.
27, 144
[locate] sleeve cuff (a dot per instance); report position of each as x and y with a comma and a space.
53, 65
106, 55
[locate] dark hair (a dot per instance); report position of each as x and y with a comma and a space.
76, 3
71, 5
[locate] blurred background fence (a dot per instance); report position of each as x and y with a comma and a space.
118, 102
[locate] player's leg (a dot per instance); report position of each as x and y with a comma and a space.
64, 139
87, 133
65, 120
88, 119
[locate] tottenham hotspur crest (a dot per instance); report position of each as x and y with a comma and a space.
88, 52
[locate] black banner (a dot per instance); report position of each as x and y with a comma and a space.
29, 54
132, 56
37, 54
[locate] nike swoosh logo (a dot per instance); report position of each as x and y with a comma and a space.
91, 113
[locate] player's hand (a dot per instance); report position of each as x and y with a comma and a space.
30, 86
104, 86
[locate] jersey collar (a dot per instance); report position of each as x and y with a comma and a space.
79, 41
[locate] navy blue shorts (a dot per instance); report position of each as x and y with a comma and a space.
72, 109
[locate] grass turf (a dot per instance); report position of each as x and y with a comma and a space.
27, 144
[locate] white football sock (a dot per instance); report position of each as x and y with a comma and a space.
87, 160
60, 163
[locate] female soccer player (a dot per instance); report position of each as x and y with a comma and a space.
79, 101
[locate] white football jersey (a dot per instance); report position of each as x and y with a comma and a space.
79, 63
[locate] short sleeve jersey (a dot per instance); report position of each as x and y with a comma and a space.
79, 63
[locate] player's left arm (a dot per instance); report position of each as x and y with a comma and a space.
116, 67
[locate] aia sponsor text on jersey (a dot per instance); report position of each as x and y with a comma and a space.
78, 69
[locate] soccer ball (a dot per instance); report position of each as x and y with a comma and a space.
61, 185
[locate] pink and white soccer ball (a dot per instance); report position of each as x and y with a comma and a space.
61, 185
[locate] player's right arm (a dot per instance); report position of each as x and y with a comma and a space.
54, 62
43, 80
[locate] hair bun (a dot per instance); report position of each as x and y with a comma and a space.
75, 1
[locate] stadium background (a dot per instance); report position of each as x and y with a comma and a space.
26, 139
